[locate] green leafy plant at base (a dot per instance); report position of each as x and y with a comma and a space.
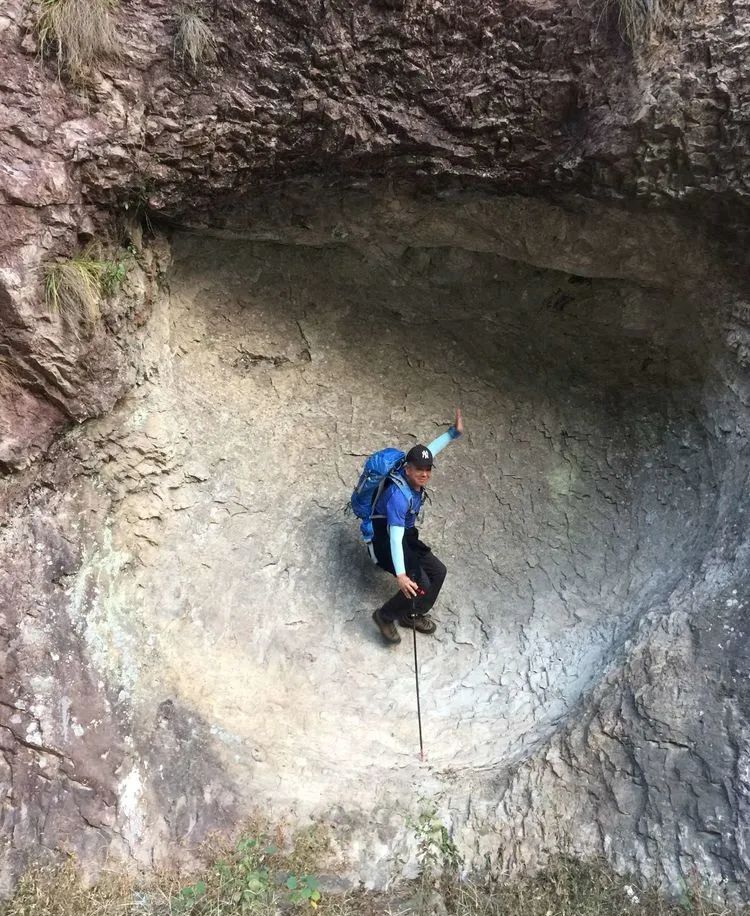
188, 897
252, 879
245, 880
304, 889
194, 41
439, 863
79, 33
436, 851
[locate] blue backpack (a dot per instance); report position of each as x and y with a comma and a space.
380, 469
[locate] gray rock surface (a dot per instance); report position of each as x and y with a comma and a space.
218, 602
337, 253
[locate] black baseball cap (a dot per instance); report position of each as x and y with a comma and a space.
419, 456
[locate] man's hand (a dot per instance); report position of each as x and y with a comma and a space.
408, 586
459, 423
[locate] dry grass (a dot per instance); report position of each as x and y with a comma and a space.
59, 891
194, 41
250, 881
79, 33
638, 19
569, 887
73, 289
312, 847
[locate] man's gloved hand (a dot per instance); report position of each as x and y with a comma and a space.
408, 586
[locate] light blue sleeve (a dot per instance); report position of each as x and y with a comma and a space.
396, 533
437, 445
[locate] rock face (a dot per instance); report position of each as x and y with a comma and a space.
357, 217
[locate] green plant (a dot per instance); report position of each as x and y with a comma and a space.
194, 41
303, 889
188, 897
78, 32
245, 880
564, 887
436, 851
137, 204
113, 275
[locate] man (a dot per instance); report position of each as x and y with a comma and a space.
419, 573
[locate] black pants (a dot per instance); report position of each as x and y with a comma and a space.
421, 565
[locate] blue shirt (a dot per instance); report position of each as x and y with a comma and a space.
394, 505
401, 512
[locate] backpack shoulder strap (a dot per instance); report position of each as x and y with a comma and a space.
399, 481
393, 477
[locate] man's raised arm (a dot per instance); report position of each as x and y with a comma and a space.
437, 445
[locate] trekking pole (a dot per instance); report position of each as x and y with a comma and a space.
416, 673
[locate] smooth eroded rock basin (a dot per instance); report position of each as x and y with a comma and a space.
232, 582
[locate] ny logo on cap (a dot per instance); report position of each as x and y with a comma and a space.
425, 454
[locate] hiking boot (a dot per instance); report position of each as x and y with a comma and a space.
388, 629
422, 624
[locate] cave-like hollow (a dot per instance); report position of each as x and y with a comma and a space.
228, 598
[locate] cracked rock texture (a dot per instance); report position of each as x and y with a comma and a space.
357, 217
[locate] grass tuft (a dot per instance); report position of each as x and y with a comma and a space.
194, 41
638, 19
74, 287
78, 32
